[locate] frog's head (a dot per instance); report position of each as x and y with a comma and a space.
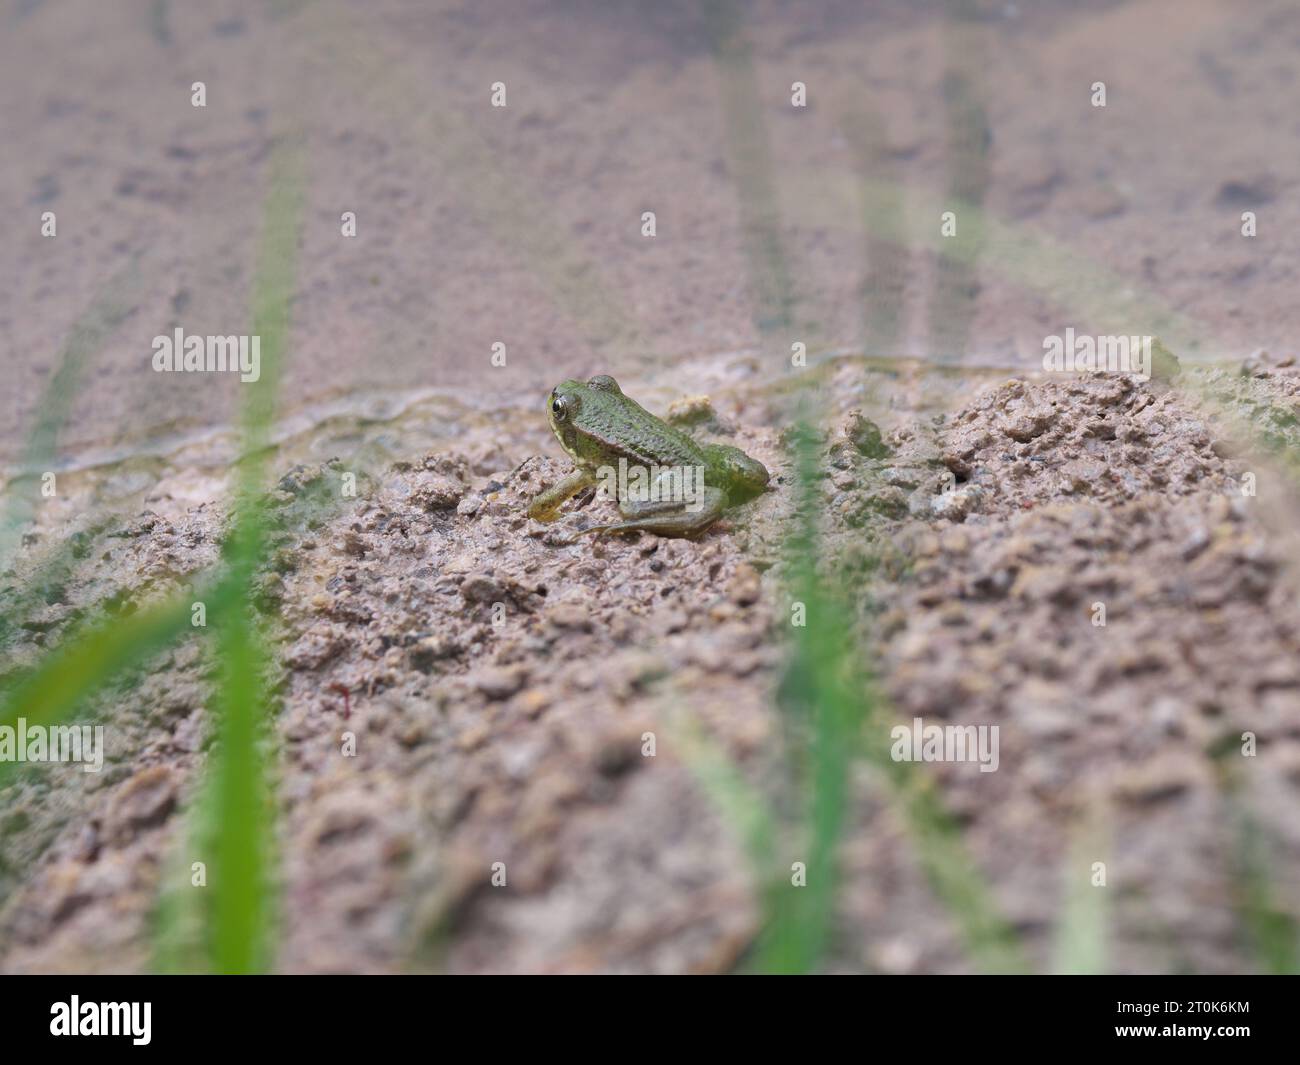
582, 416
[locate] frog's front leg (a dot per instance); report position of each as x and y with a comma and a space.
546, 506
667, 519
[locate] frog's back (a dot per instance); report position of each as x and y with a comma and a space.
642, 438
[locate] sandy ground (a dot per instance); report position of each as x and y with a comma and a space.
1007, 506
999, 527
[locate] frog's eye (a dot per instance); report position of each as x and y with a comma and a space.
560, 406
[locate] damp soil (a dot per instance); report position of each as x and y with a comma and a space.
501, 681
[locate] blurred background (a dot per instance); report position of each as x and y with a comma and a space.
523, 225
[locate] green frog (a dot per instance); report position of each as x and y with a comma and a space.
667, 483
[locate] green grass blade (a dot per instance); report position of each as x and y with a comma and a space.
1080, 947
239, 798
68, 676
89, 334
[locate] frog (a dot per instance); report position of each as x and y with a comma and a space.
602, 429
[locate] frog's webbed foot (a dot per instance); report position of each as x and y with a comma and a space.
546, 506
666, 518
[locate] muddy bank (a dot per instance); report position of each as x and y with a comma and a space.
500, 685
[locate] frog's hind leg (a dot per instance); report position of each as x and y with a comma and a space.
545, 506
667, 518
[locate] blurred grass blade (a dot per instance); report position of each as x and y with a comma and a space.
829, 688
750, 157
89, 334
821, 697
84, 664
240, 799
1080, 947
954, 302
1271, 931
239, 795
